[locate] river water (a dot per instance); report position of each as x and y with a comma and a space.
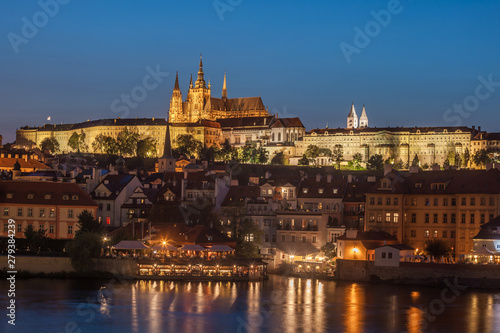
280, 304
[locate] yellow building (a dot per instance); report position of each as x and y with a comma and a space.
449, 205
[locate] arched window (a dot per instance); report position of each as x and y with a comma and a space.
279, 136
272, 137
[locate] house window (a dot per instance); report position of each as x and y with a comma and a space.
273, 238
445, 234
426, 218
483, 218
293, 239
427, 202
266, 238
445, 218
389, 254
472, 218
463, 218
492, 201
414, 201
388, 217
396, 201
452, 234
413, 233
379, 201
453, 201
19, 212
435, 201
283, 238
51, 229
445, 201
427, 233
30, 212
435, 218
464, 201
70, 229
52, 212
314, 239
267, 222
372, 201
472, 201
483, 201
453, 218
388, 201
70, 213
5, 227
396, 217
100, 207
108, 220
108, 207
5, 212
65, 197
303, 239
435, 233
379, 218
19, 228
383, 255
42, 212
413, 218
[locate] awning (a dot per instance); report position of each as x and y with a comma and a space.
298, 249
220, 248
163, 247
193, 247
484, 251
130, 245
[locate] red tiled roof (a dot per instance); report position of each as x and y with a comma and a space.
8, 163
19, 191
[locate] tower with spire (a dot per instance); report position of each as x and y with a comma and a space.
176, 102
363, 120
224, 88
166, 163
352, 118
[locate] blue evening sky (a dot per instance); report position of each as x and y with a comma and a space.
408, 70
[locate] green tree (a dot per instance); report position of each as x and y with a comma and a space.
51, 144
311, 153
375, 162
74, 142
338, 156
330, 250
437, 248
83, 249
303, 161
227, 152
458, 160
278, 158
416, 161
146, 147
356, 160
98, 144
36, 239
188, 145
248, 239
398, 165
87, 223
110, 146
466, 158
481, 158
127, 142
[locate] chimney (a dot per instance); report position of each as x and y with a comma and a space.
387, 168
351, 234
329, 178
318, 178
479, 128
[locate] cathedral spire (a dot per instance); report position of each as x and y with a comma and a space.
176, 86
352, 118
224, 89
191, 82
200, 82
363, 120
167, 148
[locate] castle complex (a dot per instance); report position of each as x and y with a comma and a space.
213, 120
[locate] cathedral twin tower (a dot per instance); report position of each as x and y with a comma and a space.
200, 105
352, 119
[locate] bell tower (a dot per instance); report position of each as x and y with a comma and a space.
175, 113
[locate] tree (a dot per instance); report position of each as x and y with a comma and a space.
437, 248
51, 144
303, 161
37, 240
311, 153
146, 147
458, 160
83, 249
74, 142
98, 144
466, 158
356, 160
127, 142
481, 158
188, 145
337, 156
398, 165
330, 250
375, 162
279, 158
416, 161
247, 239
227, 152
87, 223
110, 145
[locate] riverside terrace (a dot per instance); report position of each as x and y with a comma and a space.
187, 269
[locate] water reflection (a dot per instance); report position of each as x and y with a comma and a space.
278, 305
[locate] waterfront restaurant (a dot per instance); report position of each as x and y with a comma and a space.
197, 268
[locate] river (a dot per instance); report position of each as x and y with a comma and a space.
278, 305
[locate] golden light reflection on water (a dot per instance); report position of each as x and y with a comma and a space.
354, 309
414, 320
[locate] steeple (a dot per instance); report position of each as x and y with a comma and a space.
167, 148
352, 118
363, 120
191, 82
224, 89
176, 86
167, 161
200, 82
